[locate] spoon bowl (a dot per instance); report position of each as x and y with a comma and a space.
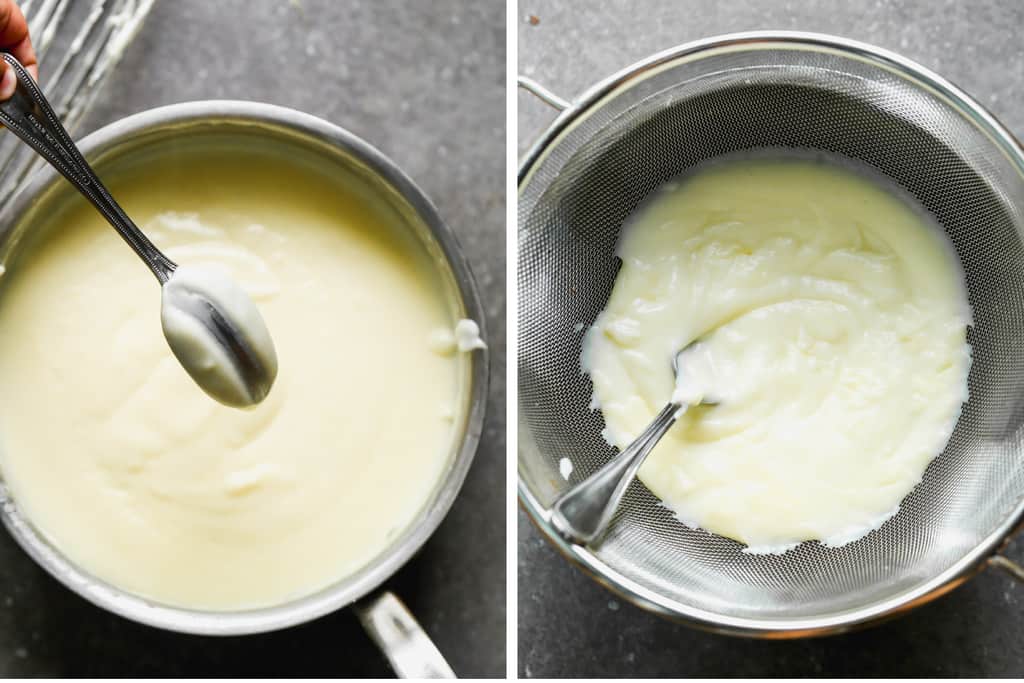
217, 334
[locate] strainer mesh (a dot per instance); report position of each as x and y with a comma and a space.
571, 207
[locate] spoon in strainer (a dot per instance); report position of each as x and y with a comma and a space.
583, 512
211, 325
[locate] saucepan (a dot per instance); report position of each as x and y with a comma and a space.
303, 137
622, 138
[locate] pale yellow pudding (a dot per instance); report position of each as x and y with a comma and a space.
136, 475
833, 315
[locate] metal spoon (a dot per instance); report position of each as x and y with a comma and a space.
583, 512
30, 117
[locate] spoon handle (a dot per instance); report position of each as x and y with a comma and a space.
29, 116
582, 513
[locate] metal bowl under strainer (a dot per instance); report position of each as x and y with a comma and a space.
627, 135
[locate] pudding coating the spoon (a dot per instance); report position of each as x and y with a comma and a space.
218, 335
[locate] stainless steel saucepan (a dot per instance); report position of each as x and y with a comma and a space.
304, 138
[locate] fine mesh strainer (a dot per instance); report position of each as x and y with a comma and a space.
637, 129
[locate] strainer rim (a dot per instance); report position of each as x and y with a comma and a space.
773, 627
592, 96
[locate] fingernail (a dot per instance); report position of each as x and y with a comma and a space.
8, 83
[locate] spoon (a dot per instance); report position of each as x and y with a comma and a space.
211, 325
583, 512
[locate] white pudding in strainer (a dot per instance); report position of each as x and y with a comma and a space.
833, 316
144, 481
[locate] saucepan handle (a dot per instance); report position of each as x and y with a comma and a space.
543, 94
403, 641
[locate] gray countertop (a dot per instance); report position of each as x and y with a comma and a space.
568, 625
424, 82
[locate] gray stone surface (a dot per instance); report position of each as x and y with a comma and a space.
569, 626
424, 82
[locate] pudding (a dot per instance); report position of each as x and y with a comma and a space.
831, 314
137, 476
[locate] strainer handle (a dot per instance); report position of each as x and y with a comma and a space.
582, 513
543, 94
404, 642
1008, 566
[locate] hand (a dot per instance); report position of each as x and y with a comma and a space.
14, 39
